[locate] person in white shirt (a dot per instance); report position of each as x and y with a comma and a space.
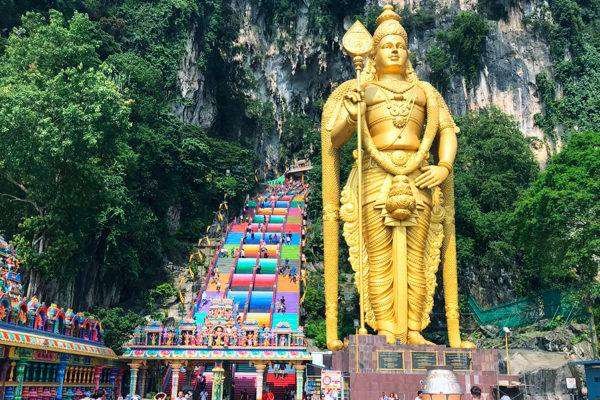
204, 395
419, 395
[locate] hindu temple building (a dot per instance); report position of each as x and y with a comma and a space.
47, 352
243, 333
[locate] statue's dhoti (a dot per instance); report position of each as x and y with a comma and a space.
398, 272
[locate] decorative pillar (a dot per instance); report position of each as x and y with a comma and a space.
97, 375
174, 380
119, 386
4, 367
299, 380
62, 367
19, 378
143, 382
218, 377
132, 383
260, 369
112, 378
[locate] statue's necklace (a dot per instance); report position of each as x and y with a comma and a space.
400, 109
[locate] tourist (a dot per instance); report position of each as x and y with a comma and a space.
242, 253
270, 238
419, 395
232, 252
286, 395
476, 392
258, 268
282, 305
204, 395
505, 397
244, 394
188, 396
275, 238
293, 274
179, 395
252, 235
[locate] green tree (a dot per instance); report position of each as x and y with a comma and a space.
494, 165
118, 326
64, 127
558, 223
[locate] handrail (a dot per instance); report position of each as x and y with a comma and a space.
195, 307
233, 266
247, 305
205, 284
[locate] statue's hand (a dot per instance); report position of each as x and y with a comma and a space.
432, 176
351, 101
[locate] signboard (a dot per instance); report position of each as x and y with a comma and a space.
331, 384
571, 383
420, 360
390, 360
460, 361
331, 380
43, 355
313, 385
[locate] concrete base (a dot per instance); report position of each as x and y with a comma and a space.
374, 375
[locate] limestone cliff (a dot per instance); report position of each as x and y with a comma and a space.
294, 65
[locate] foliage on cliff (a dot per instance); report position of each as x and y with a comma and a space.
570, 91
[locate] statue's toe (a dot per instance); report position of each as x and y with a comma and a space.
416, 338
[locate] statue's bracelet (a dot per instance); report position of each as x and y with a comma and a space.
446, 165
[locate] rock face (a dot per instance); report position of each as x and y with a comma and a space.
295, 66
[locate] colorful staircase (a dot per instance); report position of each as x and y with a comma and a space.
256, 283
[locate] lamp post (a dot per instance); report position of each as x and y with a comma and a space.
356, 326
506, 332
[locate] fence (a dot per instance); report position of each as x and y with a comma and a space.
524, 311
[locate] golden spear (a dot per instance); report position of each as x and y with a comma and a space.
358, 43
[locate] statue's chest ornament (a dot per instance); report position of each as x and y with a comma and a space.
399, 104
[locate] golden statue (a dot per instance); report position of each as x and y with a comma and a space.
399, 212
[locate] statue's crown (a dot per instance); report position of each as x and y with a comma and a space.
388, 23
388, 14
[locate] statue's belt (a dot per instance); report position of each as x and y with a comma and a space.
384, 184
398, 157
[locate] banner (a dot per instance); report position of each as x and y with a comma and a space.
331, 384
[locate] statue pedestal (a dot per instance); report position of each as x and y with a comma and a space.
401, 368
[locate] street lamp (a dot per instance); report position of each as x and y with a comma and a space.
506, 332
356, 326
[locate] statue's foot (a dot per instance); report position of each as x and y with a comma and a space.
390, 338
335, 345
465, 344
415, 337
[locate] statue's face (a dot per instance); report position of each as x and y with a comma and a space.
391, 56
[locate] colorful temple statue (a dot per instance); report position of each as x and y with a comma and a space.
400, 220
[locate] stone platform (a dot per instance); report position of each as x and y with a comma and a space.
401, 368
